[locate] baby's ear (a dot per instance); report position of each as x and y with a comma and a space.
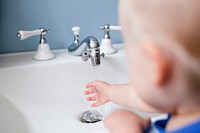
161, 62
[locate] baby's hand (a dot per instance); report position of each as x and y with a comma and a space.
124, 121
99, 90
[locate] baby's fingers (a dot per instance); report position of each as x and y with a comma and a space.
91, 84
90, 91
95, 104
92, 98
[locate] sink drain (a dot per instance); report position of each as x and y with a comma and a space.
91, 116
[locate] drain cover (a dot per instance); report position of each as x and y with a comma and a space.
91, 116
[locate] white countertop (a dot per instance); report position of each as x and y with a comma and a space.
23, 59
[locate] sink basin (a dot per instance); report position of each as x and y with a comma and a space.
48, 96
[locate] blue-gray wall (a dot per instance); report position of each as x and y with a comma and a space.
57, 15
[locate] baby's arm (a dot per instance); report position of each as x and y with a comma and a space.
126, 122
123, 94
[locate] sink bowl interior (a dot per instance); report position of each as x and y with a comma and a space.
48, 97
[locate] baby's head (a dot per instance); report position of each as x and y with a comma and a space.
162, 40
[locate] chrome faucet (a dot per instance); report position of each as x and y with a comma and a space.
88, 48
93, 51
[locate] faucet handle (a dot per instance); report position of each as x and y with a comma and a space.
26, 34
102, 55
22, 34
43, 52
108, 27
76, 30
112, 27
85, 55
106, 43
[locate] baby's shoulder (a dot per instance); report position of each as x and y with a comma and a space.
159, 123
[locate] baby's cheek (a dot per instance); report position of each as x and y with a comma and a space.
137, 68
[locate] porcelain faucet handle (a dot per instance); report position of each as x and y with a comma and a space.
44, 51
76, 30
108, 27
22, 34
26, 34
112, 27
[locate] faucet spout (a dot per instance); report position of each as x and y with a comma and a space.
88, 48
78, 49
93, 51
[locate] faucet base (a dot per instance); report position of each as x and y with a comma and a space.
44, 53
106, 47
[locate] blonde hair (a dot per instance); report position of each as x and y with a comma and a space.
172, 23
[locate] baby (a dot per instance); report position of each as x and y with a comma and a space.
162, 41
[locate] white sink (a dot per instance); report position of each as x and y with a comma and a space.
48, 96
